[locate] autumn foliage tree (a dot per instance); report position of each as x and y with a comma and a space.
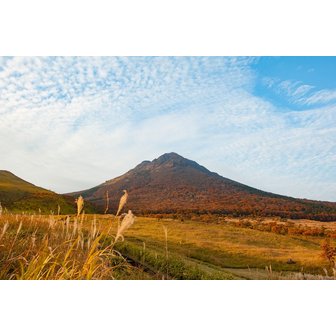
329, 251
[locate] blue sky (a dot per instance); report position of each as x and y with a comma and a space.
71, 123
296, 82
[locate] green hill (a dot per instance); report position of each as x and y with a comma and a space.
18, 195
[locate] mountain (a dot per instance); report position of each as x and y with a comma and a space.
172, 183
17, 194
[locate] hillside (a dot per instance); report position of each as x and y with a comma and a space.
17, 194
171, 184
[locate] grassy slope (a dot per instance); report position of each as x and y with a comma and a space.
19, 195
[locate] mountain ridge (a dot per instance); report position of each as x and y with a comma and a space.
172, 183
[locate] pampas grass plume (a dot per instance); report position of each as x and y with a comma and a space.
80, 204
125, 224
122, 202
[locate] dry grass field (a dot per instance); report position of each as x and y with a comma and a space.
84, 247
223, 247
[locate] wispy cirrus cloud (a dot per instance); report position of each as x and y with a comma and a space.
71, 123
320, 97
300, 93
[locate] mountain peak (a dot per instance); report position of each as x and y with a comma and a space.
165, 163
175, 160
172, 183
169, 157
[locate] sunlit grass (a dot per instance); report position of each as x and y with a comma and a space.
55, 247
85, 247
227, 246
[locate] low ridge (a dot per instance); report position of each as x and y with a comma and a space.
17, 194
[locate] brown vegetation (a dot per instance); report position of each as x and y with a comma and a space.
174, 185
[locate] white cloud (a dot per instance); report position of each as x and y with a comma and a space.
72, 123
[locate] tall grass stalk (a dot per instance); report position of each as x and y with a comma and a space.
55, 248
107, 201
165, 230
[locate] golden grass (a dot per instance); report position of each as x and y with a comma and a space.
250, 245
82, 247
296, 222
56, 247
